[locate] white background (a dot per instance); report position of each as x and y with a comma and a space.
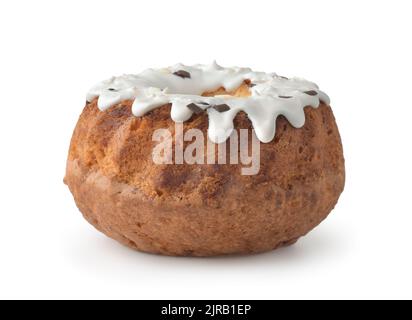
359, 52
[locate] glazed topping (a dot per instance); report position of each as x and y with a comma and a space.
182, 86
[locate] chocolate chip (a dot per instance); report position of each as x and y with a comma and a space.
112, 89
251, 85
195, 108
221, 107
286, 78
311, 92
203, 103
182, 74
285, 97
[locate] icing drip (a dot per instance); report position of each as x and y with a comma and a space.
182, 86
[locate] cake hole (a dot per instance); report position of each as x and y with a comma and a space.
94, 221
132, 244
243, 91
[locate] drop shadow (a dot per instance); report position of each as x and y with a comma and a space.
318, 244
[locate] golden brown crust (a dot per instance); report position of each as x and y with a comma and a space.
202, 210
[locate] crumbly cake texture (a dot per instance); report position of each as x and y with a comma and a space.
202, 210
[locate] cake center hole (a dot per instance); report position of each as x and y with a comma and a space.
243, 91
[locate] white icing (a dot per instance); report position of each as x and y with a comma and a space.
270, 96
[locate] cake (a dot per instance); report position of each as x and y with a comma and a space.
249, 161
